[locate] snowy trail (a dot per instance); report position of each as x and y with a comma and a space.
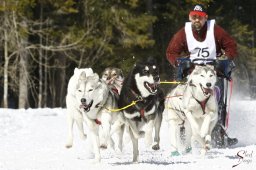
34, 139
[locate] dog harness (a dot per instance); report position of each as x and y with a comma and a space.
141, 110
201, 103
199, 51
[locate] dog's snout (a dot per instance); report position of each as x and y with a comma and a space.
208, 84
156, 78
83, 100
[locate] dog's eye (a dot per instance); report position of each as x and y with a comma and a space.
202, 75
80, 90
114, 74
211, 75
90, 90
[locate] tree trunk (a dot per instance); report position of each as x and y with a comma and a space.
6, 64
40, 93
23, 84
23, 66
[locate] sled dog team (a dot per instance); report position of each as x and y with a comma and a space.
112, 103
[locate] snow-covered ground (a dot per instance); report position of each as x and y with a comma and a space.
34, 139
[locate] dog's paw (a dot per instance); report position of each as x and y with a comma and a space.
103, 146
68, 146
202, 134
208, 145
155, 146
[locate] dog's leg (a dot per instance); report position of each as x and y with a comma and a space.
208, 137
194, 125
116, 126
93, 129
135, 146
70, 122
106, 125
120, 134
79, 123
158, 123
205, 126
148, 132
173, 137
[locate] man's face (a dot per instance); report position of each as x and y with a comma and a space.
198, 21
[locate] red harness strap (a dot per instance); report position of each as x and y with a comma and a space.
142, 111
97, 122
203, 103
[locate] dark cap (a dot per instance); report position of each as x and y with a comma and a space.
198, 9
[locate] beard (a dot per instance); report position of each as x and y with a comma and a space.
197, 26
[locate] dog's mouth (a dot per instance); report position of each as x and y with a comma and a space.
151, 87
85, 106
206, 91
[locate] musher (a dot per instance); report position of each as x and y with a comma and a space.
202, 42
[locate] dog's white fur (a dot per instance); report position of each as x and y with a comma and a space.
74, 114
199, 87
97, 95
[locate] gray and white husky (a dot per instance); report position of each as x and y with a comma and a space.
114, 78
96, 101
194, 104
141, 86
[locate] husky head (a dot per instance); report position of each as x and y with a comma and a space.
147, 78
204, 77
91, 92
73, 81
113, 76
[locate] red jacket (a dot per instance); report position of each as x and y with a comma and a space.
178, 44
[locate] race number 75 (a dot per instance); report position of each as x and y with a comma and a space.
202, 52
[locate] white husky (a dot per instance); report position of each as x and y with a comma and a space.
199, 106
74, 113
96, 100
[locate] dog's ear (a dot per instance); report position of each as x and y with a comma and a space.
152, 60
121, 72
76, 70
96, 77
82, 75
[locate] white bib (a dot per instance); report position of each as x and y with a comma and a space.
201, 52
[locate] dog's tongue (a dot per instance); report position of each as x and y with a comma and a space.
207, 91
153, 86
85, 106
150, 87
